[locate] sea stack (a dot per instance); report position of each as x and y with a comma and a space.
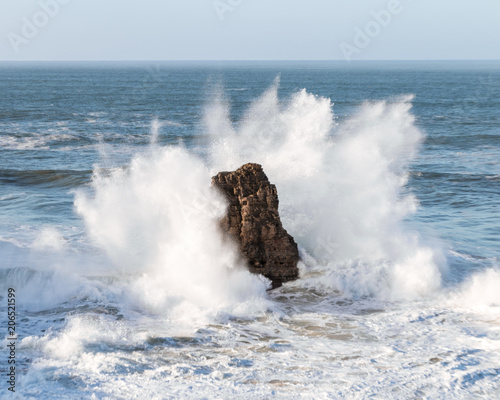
253, 222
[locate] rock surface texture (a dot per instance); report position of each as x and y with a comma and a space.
253, 221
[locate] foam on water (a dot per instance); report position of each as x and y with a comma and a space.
157, 220
154, 297
341, 192
479, 292
341, 186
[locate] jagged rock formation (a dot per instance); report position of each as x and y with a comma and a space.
253, 221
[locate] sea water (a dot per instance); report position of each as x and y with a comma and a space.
388, 178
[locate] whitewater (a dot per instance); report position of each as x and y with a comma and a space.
136, 295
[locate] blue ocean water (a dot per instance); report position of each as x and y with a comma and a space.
389, 179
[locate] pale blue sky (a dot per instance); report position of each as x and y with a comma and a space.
249, 29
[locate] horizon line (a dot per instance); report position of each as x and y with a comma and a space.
259, 60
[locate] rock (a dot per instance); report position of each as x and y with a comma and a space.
253, 221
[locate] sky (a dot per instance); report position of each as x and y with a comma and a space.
249, 29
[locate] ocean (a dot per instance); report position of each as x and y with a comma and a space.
388, 177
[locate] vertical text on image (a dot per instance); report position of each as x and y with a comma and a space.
11, 339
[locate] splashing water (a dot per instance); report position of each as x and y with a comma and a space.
342, 196
341, 186
158, 220
159, 294
155, 131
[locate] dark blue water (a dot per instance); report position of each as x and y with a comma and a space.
61, 123
55, 117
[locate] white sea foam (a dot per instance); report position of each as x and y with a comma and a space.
158, 220
341, 192
341, 187
342, 197
49, 238
480, 292
80, 332
108, 324
155, 130
35, 142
